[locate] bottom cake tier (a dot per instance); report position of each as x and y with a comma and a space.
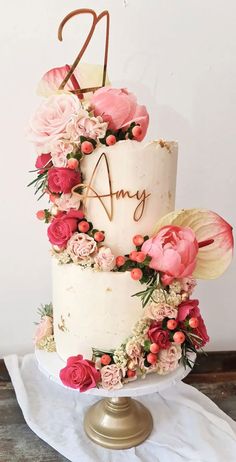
92, 309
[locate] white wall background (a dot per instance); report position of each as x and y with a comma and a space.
179, 58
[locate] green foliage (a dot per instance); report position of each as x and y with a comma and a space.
45, 310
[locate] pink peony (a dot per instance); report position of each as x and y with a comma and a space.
80, 247
174, 251
188, 308
59, 150
80, 373
62, 179
159, 311
43, 162
83, 125
67, 201
157, 335
52, 117
119, 108
63, 226
104, 260
111, 376
44, 329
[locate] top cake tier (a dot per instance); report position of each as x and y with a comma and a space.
128, 187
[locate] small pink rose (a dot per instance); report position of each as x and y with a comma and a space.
44, 329
67, 201
157, 335
119, 109
80, 373
59, 149
63, 226
174, 251
104, 259
111, 376
159, 311
62, 180
80, 247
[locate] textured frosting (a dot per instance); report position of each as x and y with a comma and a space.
92, 309
95, 309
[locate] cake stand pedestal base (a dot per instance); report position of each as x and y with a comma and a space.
118, 423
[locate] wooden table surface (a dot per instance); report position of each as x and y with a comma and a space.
19, 444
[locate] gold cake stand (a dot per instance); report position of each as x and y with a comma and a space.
117, 421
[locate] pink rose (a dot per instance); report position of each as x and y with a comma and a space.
188, 285
168, 360
43, 162
201, 331
80, 373
83, 125
133, 350
157, 335
104, 260
52, 117
119, 108
44, 329
80, 247
59, 150
159, 311
63, 226
62, 179
111, 376
188, 308
67, 201
173, 250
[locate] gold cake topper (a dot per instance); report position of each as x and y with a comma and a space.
96, 20
141, 196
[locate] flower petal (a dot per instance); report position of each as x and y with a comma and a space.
85, 75
210, 229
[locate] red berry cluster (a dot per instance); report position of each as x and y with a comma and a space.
136, 262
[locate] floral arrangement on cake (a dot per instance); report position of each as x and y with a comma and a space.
186, 245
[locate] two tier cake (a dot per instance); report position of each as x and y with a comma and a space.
124, 263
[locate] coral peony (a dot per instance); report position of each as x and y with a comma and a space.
80, 373
174, 251
119, 108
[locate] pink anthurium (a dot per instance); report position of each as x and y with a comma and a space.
85, 75
214, 236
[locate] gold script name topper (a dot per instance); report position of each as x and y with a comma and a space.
86, 191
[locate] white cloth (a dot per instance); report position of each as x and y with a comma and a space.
187, 425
